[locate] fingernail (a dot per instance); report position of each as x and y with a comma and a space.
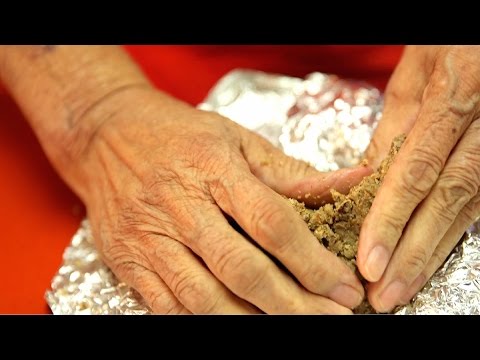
413, 289
376, 263
346, 295
391, 295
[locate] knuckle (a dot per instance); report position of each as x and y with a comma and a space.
465, 175
209, 152
188, 286
471, 211
209, 305
128, 271
466, 167
439, 257
254, 285
440, 81
164, 304
129, 222
461, 96
421, 173
225, 184
416, 261
157, 185
315, 276
267, 221
441, 210
122, 255
159, 299
455, 190
127, 245
465, 60
176, 309
219, 189
231, 258
139, 218
206, 232
243, 269
393, 223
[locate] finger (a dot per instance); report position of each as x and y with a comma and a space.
276, 227
458, 183
403, 97
155, 292
191, 282
295, 178
250, 274
315, 190
468, 216
443, 118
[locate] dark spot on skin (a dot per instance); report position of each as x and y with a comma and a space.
49, 48
39, 51
69, 117
454, 131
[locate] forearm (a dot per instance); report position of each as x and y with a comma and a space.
58, 87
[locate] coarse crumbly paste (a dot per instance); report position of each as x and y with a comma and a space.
337, 225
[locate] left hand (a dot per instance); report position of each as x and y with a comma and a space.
431, 193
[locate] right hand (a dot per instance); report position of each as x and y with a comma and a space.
160, 179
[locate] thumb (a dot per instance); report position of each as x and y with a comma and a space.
295, 178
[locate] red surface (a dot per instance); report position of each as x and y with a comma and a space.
39, 214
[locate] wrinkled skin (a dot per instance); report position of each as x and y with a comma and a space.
163, 180
431, 193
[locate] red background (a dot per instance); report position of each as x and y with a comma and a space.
39, 214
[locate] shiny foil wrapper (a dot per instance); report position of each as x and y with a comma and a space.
321, 119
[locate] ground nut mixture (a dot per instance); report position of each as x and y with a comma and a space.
338, 225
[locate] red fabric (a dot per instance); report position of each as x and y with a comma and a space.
39, 214
188, 72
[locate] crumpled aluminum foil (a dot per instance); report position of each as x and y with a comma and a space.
321, 119
84, 285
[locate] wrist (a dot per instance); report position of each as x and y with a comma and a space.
58, 89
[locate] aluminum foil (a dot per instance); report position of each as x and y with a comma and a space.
84, 285
321, 119
455, 287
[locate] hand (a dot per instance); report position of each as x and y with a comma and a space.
163, 178
431, 193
